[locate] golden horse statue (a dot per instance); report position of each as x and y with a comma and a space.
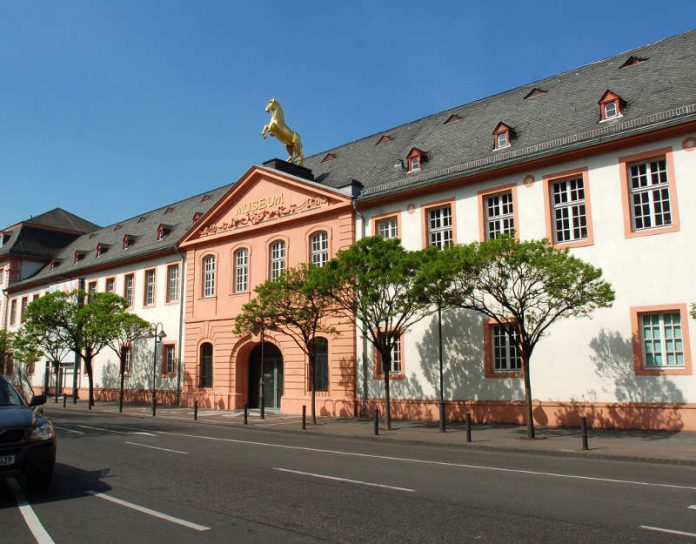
276, 127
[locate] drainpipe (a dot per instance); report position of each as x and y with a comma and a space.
363, 406
182, 294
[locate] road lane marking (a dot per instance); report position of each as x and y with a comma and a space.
143, 433
150, 512
428, 462
336, 478
30, 518
156, 448
68, 430
669, 531
692, 507
100, 429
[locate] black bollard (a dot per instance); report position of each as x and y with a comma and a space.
195, 410
304, 417
263, 408
468, 426
376, 422
154, 406
64, 400
583, 431
443, 418
246, 413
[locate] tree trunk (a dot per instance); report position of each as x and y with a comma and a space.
88, 366
312, 384
120, 393
386, 368
528, 395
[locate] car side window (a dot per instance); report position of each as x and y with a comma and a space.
8, 396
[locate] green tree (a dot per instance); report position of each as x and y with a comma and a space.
296, 305
5, 349
25, 351
693, 310
373, 283
84, 323
526, 287
126, 329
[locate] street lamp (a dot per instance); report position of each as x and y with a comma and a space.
156, 332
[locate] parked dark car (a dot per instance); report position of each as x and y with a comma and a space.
27, 438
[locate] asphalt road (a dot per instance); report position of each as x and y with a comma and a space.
124, 479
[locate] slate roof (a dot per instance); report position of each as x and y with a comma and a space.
63, 219
142, 228
659, 91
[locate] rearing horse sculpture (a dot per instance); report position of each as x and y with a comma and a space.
276, 127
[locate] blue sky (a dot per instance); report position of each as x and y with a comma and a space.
109, 109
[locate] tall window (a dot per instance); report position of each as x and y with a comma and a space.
500, 217
205, 377
13, 311
129, 288
387, 228
662, 342
396, 357
25, 301
172, 283
241, 270
440, 226
277, 259
127, 356
168, 359
649, 188
209, 276
568, 209
110, 285
506, 354
319, 248
321, 364
149, 298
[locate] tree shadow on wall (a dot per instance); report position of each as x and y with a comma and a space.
463, 370
613, 360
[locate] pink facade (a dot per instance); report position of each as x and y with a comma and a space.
228, 253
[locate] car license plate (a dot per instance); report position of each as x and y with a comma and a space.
7, 460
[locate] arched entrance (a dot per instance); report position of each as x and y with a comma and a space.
272, 376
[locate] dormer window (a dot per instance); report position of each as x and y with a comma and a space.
415, 159
502, 136
196, 216
329, 157
384, 139
168, 210
141, 219
205, 197
128, 240
610, 106
163, 231
78, 256
101, 249
453, 118
52, 265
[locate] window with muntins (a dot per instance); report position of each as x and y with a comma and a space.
209, 276
110, 285
205, 377
25, 302
149, 288
127, 357
172, 283
388, 228
396, 358
319, 248
610, 110
568, 210
13, 312
500, 218
661, 335
506, 354
241, 270
440, 227
129, 288
321, 364
277, 259
649, 194
169, 357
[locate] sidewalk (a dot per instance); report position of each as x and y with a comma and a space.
646, 446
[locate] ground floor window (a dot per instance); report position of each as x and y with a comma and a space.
661, 338
205, 375
321, 364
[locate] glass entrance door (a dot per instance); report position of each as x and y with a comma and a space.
272, 376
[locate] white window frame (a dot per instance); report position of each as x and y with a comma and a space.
500, 214
505, 356
241, 270
127, 360
209, 276
667, 341
414, 163
172, 283
502, 140
169, 365
319, 248
568, 206
150, 282
615, 107
652, 169
129, 289
396, 357
277, 259
440, 220
387, 227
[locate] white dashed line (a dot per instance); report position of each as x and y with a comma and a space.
40, 534
69, 430
156, 448
336, 478
668, 531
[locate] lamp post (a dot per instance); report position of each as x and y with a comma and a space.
156, 332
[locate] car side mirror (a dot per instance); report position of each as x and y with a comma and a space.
37, 400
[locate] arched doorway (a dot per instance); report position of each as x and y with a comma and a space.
272, 376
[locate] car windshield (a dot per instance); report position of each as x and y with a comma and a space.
8, 395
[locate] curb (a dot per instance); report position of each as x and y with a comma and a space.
414, 442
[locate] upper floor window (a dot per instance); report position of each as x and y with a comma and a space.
241, 270
163, 231
502, 136
610, 106
277, 259
2, 276
13, 311
569, 210
91, 289
650, 198
209, 276
387, 228
149, 295
319, 248
25, 302
500, 216
110, 285
440, 226
172, 283
415, 159
129, 288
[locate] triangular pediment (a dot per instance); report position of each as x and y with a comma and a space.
263, 198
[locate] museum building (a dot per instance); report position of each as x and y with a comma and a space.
600, 160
